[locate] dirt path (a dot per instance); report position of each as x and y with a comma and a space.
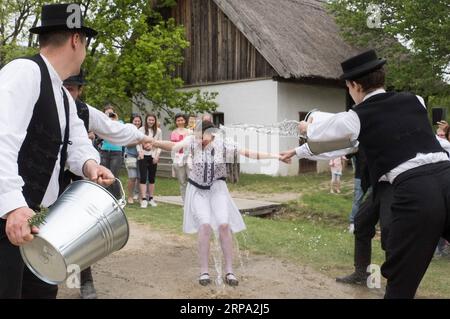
155, 264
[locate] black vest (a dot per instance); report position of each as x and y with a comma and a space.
40, 149
394, 128
83, 113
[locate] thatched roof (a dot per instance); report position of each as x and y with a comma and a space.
299, 38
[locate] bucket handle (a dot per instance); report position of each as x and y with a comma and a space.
122, 202
308, 115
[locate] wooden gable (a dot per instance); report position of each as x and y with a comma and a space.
218, 51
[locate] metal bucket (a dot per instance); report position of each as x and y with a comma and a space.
319, 147
84, 225
318, 116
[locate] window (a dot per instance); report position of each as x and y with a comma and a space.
218, 118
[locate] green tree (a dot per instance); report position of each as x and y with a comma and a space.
131, 61
16, 17
411, 34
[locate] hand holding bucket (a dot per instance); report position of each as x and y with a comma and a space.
98, 173
86, 224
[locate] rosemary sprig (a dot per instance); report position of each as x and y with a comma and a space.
38, 219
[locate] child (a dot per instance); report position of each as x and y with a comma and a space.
148, 161
336, 173
208, 205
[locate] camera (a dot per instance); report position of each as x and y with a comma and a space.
438, 114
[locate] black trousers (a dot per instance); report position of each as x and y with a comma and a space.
370, 212
86, 275
420, 216
113, 161
16, 280
147, 170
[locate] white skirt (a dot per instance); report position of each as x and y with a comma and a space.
210, 206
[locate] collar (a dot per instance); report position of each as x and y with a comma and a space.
377, 91
54, 77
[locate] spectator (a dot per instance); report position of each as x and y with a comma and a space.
336, 173
358, 161
111, 154
131, 155
207, 117
180, 161
148, 161
191, 122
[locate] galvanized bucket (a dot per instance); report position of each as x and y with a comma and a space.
319, 147
84, 225
318, 116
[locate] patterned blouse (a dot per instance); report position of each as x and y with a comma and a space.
209, 163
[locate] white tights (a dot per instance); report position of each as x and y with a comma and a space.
226, 243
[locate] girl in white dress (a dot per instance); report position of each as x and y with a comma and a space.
208, 205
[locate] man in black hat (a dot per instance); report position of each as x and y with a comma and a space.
394, 132
98, 123
372, 209
40, 133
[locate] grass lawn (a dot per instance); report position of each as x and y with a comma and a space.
310, 230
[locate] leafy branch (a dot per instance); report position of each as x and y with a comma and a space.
38, 219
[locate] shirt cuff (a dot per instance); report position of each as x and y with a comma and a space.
81, 173
11, 201
303, 151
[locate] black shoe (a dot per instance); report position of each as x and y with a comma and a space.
87, 290
204, 279
356, 278
231, 280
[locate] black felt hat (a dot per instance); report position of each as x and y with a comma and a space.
360, 65
76, 79
56, 17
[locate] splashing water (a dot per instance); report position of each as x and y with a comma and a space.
286, 128
243, 255
217, 256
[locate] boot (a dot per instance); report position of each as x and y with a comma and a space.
87, 289
363, 254
358, 277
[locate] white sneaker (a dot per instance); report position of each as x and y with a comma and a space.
152, 203
144, 204
136, 197
351, 228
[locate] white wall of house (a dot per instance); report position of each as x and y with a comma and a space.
265, 102
251, 102
297, 97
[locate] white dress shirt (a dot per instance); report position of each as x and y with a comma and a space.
19, 91
114, 131
347, 125
444, 143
